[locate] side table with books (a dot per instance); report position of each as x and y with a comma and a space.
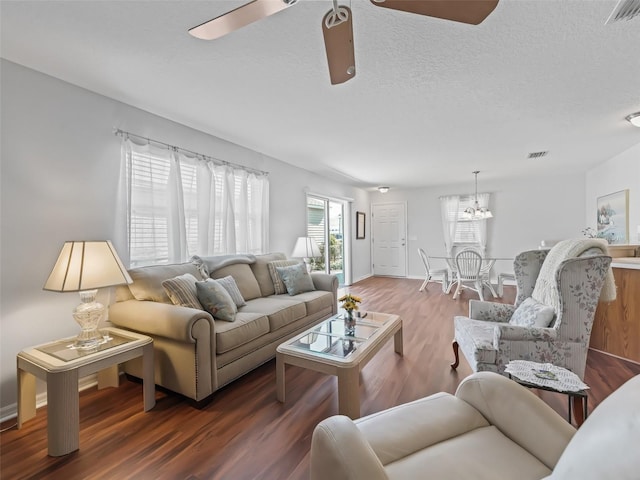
549, 377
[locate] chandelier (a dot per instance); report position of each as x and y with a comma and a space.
477, 212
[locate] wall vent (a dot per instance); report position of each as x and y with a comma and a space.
537, 154
625, 10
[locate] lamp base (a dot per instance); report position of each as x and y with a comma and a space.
88, 315
307, 262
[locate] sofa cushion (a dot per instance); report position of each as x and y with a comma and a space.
244, 277
278, 285
296, 278
147, 281
280, 311
229, 284
216, 300
247, 326
482, 454
182, 291
261, 271
531, 313
316, 301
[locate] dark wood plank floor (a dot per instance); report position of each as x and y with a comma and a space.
245, 433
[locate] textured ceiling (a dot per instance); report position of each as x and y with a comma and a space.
432, 100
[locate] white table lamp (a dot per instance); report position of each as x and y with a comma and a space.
84, 267
306, 248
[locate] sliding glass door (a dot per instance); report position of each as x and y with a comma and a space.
325, 224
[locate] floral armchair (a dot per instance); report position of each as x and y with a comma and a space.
489, 339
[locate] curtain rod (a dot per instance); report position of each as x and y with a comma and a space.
123, 133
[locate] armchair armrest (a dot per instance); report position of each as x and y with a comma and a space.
339, 451
161, 319
517, 332
490, 311
519, 414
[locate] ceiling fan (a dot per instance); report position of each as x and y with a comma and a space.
337, 24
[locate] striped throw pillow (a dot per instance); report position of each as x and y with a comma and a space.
182, 291
278, 284
231, 286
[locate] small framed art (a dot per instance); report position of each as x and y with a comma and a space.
613, 217
360, 225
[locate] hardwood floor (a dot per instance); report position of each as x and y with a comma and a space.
245, 433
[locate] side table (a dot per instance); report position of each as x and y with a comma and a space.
551, 378
60, 366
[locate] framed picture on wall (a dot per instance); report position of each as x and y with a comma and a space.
360, 225
613, 217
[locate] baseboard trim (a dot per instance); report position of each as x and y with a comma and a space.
11, 411
364, 277
615, 356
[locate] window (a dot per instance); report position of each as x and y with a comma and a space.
180, 205
468, 230
325, 224
457, 227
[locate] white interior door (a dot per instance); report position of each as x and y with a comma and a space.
389, 235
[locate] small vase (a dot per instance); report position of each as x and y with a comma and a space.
349, 324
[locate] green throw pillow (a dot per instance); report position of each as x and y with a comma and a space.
216, 300
296, 279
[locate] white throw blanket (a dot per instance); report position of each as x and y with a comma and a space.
546, 290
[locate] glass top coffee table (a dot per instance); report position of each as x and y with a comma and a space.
327, 349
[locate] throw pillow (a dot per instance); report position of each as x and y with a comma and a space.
231, 287
532, 313
182, 291
216, 300
296, 278
278, 285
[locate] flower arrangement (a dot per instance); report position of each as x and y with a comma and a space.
350, 302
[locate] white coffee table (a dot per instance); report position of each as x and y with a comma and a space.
325, 348
61, 366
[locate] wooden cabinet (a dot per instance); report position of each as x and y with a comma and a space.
616, 327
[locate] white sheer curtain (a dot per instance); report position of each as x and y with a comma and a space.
450, 210
483, 200
177, 204
460, 230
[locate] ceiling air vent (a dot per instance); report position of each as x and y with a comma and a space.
625, 10
537, 154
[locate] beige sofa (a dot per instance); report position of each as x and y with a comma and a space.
491, 429
195, 354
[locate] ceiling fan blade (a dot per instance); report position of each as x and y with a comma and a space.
465, 11
337, 29
238, 18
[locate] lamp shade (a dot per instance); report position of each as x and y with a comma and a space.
87, 266
305, 247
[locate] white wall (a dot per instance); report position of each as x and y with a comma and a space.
59, 171
526, 211
619, 173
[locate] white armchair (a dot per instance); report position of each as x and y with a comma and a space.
488, 339
491, 429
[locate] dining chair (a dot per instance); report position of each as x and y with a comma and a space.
468, 272
501, 278
429, 274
